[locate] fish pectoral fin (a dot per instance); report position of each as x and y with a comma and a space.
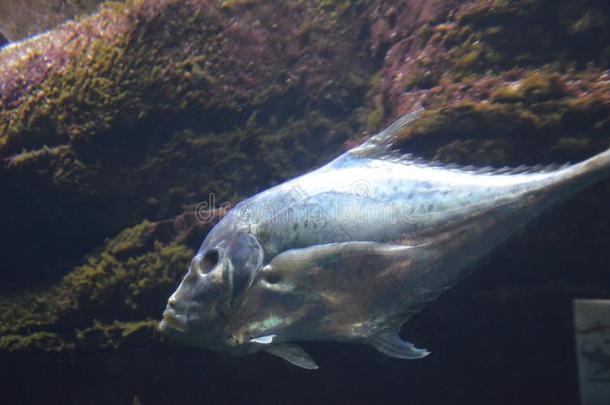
368, 256
263, 340
390, 344
293, 354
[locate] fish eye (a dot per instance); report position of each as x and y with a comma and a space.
210, 259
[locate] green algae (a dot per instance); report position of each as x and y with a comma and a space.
589, 19
106, 288
473, 56
374, 119
521, 123
533, 87
337, 6
131, 240
44, 341
118, 335
425, 80
108, 81
231, 4
133, 281
540, 32
489, 92
88, 81
468, 60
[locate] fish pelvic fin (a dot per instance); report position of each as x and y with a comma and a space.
293, 354
390, 344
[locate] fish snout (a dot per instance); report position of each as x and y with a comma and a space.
171, 319
174, 316
201, 300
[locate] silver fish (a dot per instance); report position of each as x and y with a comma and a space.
350, 251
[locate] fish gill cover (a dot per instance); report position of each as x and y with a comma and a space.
113, 127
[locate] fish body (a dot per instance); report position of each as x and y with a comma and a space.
350, 251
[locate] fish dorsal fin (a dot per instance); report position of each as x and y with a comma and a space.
293, 354
471, 169
390, 344
381, 144
382, 147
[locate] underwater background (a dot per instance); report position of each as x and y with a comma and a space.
117, 126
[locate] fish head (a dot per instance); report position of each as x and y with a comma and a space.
213, 287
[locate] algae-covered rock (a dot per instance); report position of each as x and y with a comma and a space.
498, 87
22, 18
165, 96
127, 279
121, 131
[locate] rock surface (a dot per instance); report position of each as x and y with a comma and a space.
116, 127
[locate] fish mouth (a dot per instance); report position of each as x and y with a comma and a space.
173, 321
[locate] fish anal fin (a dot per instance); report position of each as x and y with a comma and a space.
293, 354
390, 344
